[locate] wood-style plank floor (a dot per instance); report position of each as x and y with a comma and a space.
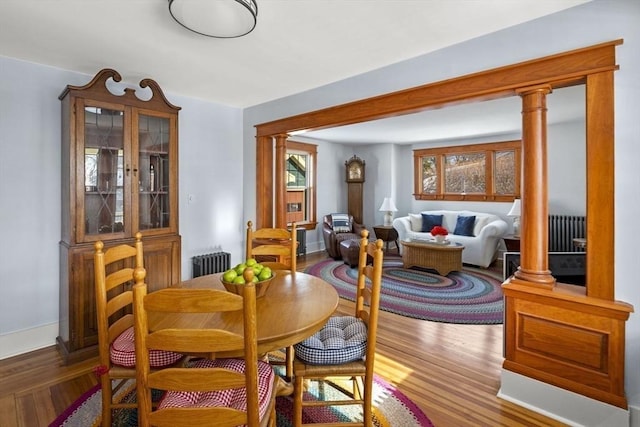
450, 371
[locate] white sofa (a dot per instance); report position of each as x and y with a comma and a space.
480, 249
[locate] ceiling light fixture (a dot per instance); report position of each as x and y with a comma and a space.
216, 18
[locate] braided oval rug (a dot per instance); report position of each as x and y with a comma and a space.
470, 296
391, 408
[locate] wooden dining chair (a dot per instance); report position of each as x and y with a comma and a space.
319, 358
277, 245
220, 392
114, 270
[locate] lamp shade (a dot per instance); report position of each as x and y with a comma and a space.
515, 208
388, 205
218, 18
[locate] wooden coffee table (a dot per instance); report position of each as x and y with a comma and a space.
444, 258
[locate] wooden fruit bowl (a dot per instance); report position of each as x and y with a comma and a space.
261, 287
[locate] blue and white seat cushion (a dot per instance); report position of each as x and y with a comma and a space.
342, 339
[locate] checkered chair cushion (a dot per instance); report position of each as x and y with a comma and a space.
341, 339
123, 352
232, 398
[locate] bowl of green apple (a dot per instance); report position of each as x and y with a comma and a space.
236, 278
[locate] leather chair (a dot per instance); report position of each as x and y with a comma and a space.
332, 239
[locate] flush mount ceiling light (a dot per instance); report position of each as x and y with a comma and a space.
216, 18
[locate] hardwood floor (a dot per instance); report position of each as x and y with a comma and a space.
450, 371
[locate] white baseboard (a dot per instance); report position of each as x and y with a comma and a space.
28, 340
565, 406
313, 247
634, 412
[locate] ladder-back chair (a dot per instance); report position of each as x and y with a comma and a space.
277, 245
114, 279
220, 392
355, 359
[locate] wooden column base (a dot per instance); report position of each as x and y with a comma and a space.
564, 338
534, 278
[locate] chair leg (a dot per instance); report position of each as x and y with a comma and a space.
298, 390
106, 400
272, 417
367, 398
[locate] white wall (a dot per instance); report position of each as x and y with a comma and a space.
210, 169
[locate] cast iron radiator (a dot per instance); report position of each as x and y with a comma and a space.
216, 262
563, 229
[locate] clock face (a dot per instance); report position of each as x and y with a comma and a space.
355, 170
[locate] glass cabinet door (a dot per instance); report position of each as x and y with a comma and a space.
103, 170
154, 135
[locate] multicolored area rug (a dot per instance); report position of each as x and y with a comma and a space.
391, 409
471, 296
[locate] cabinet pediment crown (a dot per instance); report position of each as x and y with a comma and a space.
98, 88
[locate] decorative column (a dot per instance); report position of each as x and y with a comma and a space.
534, 268
281, 190
264, 181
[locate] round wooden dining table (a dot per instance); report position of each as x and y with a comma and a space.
295, 306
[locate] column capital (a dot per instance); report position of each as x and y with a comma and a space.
543, 88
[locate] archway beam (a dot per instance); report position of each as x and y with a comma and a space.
560, 70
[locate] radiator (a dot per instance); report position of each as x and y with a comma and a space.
563, 229
216, 262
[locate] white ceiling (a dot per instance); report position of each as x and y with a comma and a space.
297, 44
489, 118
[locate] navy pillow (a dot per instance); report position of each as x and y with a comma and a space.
464, 225
430, 221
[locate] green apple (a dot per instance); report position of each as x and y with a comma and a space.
240, 268
251, 262
229, 276
265, 274
239, 280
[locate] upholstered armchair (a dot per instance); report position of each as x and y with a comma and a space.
332, 238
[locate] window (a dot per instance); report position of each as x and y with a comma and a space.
300, 182
483, 172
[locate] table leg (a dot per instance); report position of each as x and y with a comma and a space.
283, 387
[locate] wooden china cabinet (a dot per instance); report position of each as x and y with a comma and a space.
119, 176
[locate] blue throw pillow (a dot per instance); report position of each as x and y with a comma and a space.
430, 221
464, 225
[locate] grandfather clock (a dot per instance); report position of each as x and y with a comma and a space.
355, 186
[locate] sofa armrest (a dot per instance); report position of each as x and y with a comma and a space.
497, 228
402, 226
